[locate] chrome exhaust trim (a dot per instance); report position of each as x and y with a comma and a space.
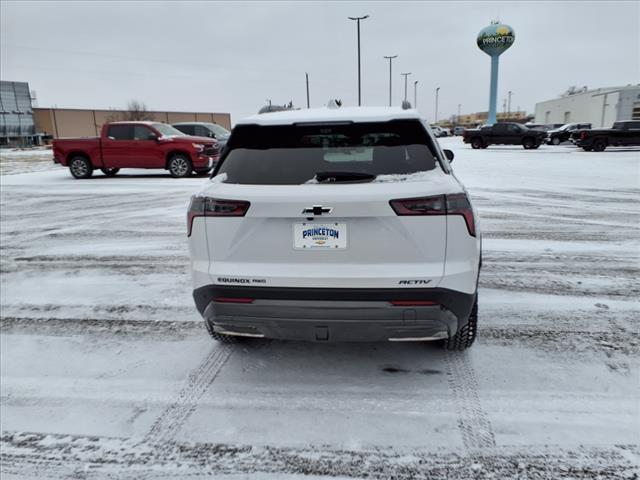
418, 339
238, 334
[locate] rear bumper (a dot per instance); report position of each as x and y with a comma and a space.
334, 314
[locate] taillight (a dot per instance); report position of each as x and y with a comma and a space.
413, 303
214, 207
452, 204
458, 204
420, 206
583, 135
233, 300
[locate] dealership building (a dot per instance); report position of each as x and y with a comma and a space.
600, 107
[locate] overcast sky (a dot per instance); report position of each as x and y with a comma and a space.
231, 57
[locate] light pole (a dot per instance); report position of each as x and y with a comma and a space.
509, 106
437, 91
357, 19
390, 60
307, 75
458, 119
405, 84
415, 94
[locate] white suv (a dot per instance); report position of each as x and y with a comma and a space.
335, 224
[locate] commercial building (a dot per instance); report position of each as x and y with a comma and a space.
471, 120
75, 122
601, 107
17, 125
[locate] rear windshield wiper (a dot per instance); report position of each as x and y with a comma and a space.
327, 177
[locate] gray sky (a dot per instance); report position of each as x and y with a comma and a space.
231, 57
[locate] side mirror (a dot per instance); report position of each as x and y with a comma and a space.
449, 155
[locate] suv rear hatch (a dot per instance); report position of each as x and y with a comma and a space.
311, 206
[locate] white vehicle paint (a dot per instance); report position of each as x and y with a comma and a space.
364, 239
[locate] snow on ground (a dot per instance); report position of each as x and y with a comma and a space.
14, 161
107, 371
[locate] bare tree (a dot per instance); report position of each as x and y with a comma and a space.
136, 110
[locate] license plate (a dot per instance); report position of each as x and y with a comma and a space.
319, 236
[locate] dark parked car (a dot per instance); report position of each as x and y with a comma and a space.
205, 129
563, 134
505, 133
626, 133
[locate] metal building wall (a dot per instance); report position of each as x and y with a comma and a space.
70, 122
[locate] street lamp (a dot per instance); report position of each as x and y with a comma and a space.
437, 90
509, 106
390, 60
405, 84
415, 94
357, 19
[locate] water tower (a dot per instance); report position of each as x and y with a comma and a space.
494, 40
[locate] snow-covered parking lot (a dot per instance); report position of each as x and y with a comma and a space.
107, 371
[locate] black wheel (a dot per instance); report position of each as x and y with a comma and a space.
110, 172
80, 167
587, 149
528, 143
466, 335
477, 143
221, 337
180, 166
484, 145
555, 140
599, 146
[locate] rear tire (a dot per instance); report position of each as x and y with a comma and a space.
466, 335
555, 140
80, 167
477, 143
180, 166
599, 146
110, 172
528, 143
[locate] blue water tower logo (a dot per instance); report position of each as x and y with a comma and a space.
494, 40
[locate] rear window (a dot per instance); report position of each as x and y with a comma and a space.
293, 154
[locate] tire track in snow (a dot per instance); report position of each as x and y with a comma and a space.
473, 422
175, 415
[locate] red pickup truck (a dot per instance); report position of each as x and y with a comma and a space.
137, 145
